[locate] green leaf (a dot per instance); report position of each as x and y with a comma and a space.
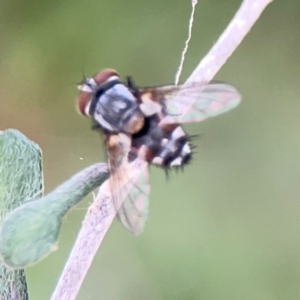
21, 181
30, 232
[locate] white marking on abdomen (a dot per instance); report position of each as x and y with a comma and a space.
186, 149
157, 160
164, 142
176, 162
178, 133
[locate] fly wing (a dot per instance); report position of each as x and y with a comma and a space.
127, 184
194, 102
134, 210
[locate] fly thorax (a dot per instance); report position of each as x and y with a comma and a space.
117, 110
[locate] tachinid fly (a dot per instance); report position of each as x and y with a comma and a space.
143, 125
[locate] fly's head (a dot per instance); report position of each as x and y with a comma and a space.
111, 104
89, 86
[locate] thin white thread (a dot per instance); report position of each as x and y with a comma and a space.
177, 76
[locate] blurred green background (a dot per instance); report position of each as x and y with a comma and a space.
228, 227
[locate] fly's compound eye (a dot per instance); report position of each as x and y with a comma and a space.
86, 89
83, 103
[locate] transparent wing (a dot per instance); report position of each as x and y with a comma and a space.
128, 183
133, 212
194, 102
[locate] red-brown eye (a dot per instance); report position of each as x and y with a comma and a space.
87, 88
83, 100
104, 75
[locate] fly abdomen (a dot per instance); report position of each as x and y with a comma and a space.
163, 146
175, 150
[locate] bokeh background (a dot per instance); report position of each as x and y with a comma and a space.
228, 227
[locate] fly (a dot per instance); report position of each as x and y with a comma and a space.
143, 123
